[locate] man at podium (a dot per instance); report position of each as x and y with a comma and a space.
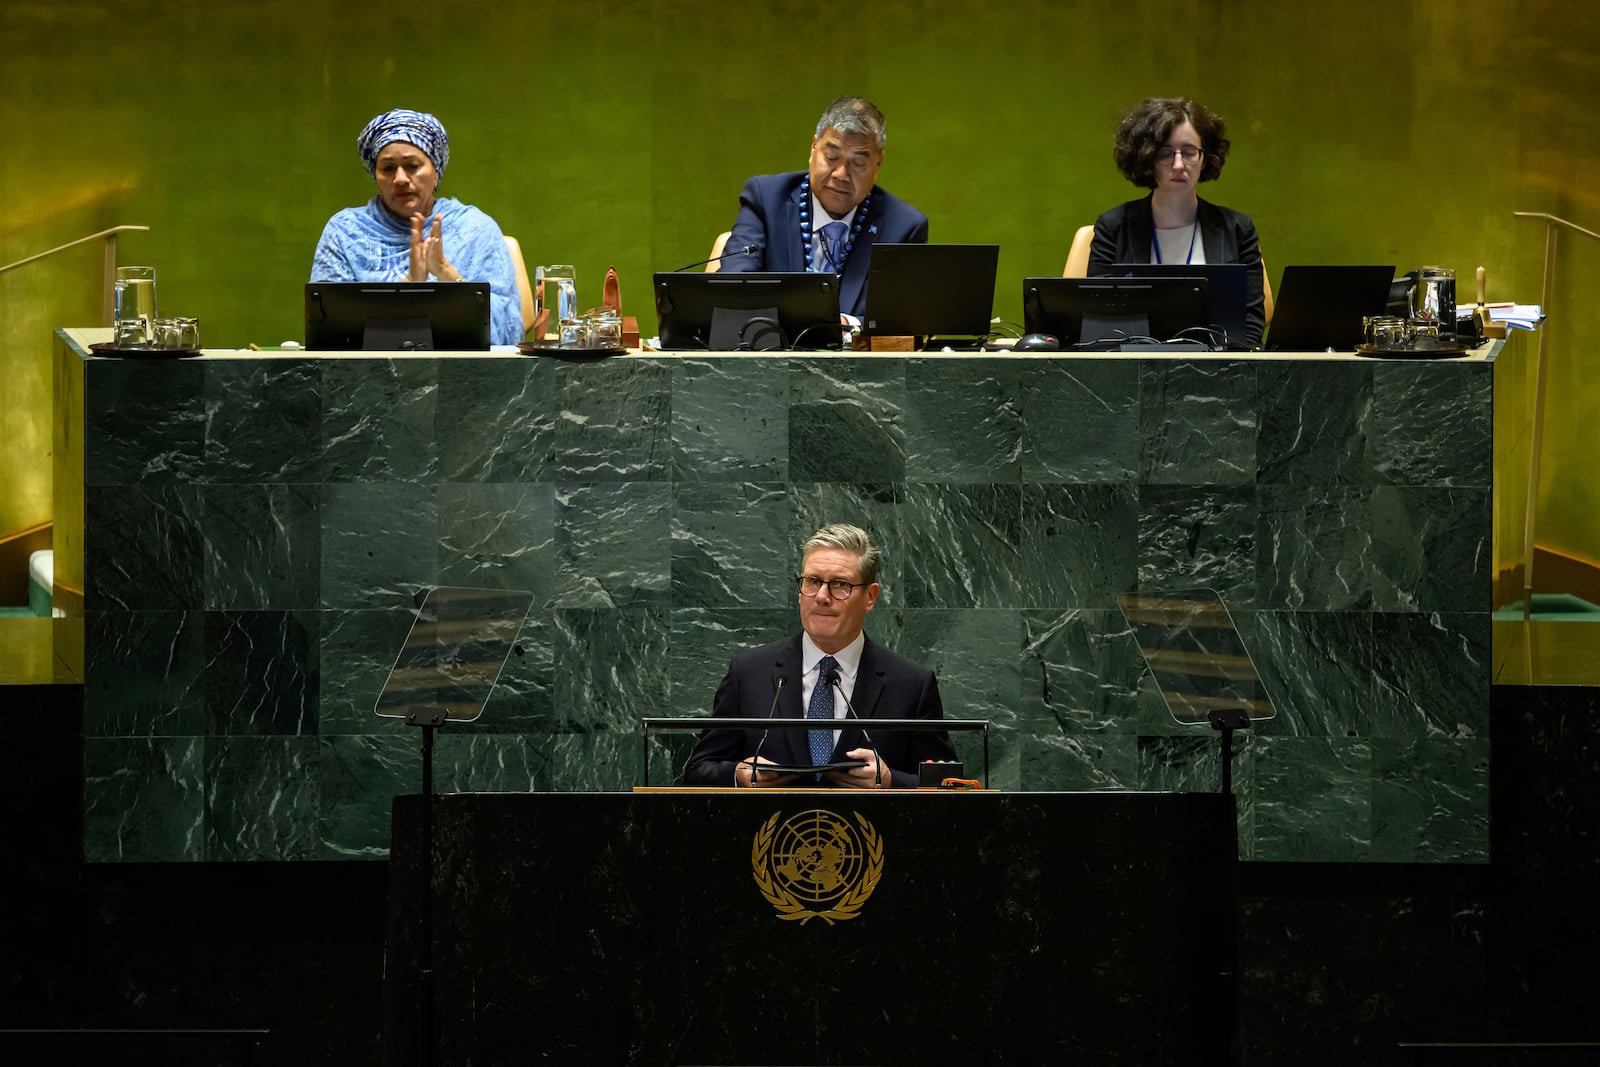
831, 672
